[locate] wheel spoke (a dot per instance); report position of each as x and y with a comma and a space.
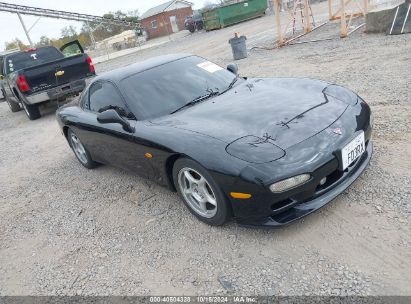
210, 199
207, 195
190, 178
203, 205
202, 184
81, 148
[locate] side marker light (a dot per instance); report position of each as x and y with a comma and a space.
240, 195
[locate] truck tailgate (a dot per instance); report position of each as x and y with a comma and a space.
56, 73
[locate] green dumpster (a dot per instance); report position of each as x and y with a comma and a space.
234, 13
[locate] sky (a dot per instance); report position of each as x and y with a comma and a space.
11, 28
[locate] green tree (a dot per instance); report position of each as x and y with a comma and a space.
15, 44
68, 31
84, 39
133, 14
44, 41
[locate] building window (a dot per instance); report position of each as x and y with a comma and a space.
154, 24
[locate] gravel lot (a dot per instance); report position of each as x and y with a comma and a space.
66, 230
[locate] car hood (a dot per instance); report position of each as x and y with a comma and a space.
284, 111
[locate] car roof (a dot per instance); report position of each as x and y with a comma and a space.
119, 74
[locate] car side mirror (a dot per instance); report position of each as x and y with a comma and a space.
111, 116
233, 68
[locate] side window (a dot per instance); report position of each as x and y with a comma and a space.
104, 96
71, 49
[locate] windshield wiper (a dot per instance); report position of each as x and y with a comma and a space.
197, 100
230, 85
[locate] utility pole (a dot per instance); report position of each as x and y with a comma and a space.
25, 30
280, 37
307, 22
343, 33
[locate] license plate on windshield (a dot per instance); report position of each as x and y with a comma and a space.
353, 150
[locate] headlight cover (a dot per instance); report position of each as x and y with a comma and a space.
289, 183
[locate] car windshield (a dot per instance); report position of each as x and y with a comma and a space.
32, 58
166, 88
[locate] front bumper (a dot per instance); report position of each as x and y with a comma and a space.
57, 92
296, 210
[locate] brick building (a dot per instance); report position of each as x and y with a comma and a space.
166, 18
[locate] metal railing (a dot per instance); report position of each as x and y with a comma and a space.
44, 12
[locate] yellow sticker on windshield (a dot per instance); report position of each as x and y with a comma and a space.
209, 66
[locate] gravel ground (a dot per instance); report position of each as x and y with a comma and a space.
66, 230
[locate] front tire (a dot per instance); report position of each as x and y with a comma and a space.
81, 153
200, 193
32, 111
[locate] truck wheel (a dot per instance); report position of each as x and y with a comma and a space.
32, 111
14, 106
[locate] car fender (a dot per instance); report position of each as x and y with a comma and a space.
208, 151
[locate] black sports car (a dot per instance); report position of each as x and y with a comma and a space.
266, 151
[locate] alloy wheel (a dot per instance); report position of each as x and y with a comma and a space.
78, 148
197, 192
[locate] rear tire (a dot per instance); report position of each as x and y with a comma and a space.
81, 153
200, 193
32, 111
14, 106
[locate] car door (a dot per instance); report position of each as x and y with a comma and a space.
174, 25
109, 142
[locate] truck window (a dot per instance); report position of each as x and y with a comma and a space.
71, 50
31, 58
